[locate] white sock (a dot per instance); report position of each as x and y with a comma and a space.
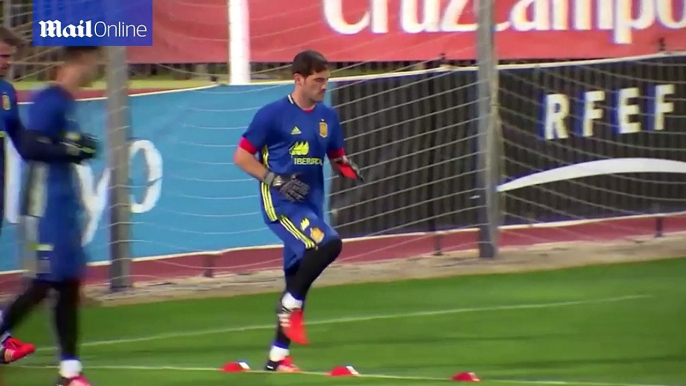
277, 354
290, 302
70, 368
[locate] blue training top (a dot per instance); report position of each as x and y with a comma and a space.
291, 140
51, 176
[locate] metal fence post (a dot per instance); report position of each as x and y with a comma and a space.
118, 127
487, 165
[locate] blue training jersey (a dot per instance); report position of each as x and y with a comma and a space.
291, 140
51, 181
10, 128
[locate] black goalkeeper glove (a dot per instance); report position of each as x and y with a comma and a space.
80, 146
289, 186
347, 168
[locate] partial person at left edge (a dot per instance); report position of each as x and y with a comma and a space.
10, 130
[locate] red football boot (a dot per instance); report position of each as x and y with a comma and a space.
13, 350
293, 324
283, 366
76, 381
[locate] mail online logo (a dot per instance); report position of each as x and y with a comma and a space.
89, 29
92, 23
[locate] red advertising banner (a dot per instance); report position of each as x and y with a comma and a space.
389, 30
186, 31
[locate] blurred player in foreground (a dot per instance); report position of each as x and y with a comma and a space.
51, 207
10, 127
292, 136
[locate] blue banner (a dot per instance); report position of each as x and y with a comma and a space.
92, 23
186, 194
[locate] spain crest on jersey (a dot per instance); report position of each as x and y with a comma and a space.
316, 234
323, 129
6, 105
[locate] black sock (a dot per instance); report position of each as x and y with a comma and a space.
20, 308
281, 340
66, 317
313, 263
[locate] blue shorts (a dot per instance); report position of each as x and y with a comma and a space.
301, 229
51, 248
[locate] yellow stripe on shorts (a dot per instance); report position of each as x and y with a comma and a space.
266, 194
290, 227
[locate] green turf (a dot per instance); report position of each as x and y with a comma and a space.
603, 325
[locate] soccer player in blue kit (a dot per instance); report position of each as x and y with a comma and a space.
292, 136
51, 207
10, 129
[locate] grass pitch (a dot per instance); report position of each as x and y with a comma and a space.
604, 325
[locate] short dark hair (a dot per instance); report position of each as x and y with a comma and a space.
8, 36
308, 62
71, 53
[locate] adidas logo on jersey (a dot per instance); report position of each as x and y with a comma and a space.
295, 131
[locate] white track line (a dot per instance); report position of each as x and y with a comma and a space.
364, 376
584, 383
184, 334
